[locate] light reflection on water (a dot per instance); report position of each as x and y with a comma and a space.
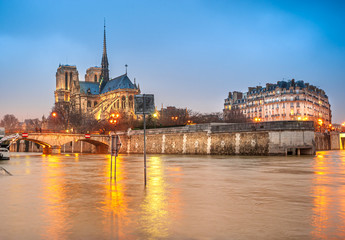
187, 197
329, 196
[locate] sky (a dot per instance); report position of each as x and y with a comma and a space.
188, 53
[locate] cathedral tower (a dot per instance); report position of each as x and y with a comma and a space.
66, 79
105, 65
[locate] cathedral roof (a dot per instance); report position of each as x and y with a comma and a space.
121, 82
93, 86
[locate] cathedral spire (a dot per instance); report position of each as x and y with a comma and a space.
105, 64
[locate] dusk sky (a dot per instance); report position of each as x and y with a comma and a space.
187, 53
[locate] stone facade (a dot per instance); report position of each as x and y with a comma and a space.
284, 101
269, 138
97, 95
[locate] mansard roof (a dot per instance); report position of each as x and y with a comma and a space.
121, 82
93, 86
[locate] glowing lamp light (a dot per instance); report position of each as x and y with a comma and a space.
112, 121
54, 114
299, 118
112, 115
155, 115
117, 115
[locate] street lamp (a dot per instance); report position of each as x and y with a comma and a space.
54, 115
114, 118
320, 122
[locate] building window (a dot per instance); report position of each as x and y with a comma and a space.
66, 81
130, 102
95, 78
88, 103
123, 103
291, 105
95, 103
70, 77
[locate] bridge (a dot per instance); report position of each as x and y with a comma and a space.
52, 142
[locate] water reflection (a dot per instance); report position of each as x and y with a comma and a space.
55, 212
115, 205
72, 197
155, 219
329, 196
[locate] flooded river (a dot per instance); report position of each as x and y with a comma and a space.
187, 197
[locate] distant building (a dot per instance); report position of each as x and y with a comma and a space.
285, 100
98, 94
173, 116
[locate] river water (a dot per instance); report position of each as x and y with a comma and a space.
186, 197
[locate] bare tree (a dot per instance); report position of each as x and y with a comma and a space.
9, 122
32, 124
197, 117
234, 116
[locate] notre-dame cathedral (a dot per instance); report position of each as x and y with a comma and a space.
98, 94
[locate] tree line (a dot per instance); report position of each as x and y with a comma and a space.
64, 119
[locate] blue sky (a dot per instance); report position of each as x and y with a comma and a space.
188, 53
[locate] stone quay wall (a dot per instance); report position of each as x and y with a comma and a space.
266, 138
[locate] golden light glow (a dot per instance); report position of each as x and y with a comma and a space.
115, 205
54, 114
326, 202
320, 122
155, 206
299, 118
54, 194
